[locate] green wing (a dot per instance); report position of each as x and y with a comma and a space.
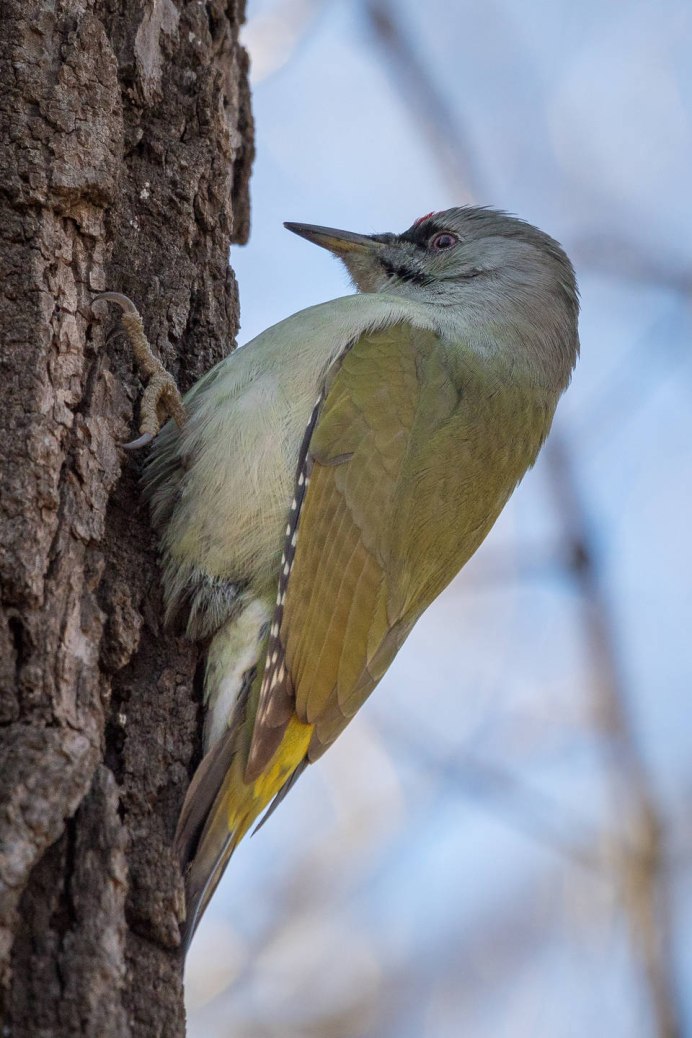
402, 477
338, 629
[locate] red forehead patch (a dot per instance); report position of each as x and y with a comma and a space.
422, 219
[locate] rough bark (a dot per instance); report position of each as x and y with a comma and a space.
126, 147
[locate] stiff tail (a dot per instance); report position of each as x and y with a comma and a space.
192, 825
220, 807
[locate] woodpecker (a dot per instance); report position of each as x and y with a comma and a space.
321, 485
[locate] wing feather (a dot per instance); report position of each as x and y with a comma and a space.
404, 475
331, 627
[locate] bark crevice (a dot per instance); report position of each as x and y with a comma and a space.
128, 144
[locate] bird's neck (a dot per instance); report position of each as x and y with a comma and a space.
519, 330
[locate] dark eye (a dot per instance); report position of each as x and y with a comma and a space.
443, 240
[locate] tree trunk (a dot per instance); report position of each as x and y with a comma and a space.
127, 143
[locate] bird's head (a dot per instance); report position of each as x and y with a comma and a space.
480, 269
450, 257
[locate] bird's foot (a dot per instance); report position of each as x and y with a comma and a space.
161, 398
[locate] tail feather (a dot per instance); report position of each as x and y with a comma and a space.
286, 788
200, 797
220, 807
199, 891
204, 874
205, 839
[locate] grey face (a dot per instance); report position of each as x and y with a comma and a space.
444, 256
488, 275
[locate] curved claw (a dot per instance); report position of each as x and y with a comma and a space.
135, 445
161, 397
124, 302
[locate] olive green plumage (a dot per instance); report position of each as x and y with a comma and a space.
332, 478
387, 521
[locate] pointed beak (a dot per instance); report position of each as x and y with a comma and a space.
339, 242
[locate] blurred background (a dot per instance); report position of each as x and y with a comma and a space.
500, 843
